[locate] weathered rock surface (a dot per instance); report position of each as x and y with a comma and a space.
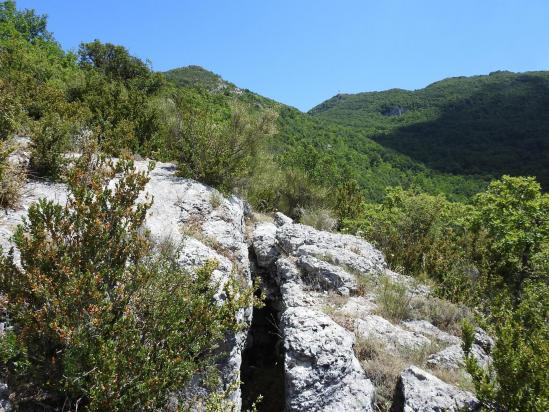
5, 404
321, 370
453, 357
264, 241
327, 286
392, 336
419, 391
322, 373
430, 330
344, 251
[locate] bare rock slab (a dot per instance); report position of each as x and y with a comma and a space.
419, 391
322, 372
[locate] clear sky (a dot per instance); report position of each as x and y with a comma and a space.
301, 52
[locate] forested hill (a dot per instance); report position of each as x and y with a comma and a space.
325, 153
483, 125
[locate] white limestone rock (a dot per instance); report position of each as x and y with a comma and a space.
325, 276
392, 336
453, 356
428, 329
322, 372
419, 391
264, 242
351, 253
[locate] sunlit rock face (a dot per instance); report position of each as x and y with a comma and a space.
331, 299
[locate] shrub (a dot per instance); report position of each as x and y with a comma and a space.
519, 374
56, 125
12, 177
513, 214
99, 321
215, 147
424, 235
349, 201
11, 113
321, 219
393, 300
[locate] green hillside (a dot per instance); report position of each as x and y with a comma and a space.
482, 125
192, 76
330, 153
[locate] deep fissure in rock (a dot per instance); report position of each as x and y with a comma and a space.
262, 371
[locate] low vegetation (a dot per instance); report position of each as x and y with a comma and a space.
99, 319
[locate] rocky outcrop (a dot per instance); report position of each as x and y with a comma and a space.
329, 287
321, 370
392, 336
419, 391
324, 296
206, 224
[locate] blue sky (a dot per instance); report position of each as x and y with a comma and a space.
302, 52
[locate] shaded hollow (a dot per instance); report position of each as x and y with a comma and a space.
262, 371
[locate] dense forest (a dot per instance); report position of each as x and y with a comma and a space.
481, 125
423, 175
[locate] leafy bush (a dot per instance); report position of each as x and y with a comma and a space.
216, 147
423, 235
12, 177
514, 216
99, 322
51, 139
10, 115
519, 374
349, 201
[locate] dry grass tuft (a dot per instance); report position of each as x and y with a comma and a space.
443, 314
384, 366
321, 219
393, 300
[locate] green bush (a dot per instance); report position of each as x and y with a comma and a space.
12, 177
99, 321
51, 138
513, 216
517, 379
216, 145
11, 113
421, 235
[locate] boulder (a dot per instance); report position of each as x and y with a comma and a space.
428, 329
264, 242
419, 391
350, 253
453, 356
322, 372
393, 337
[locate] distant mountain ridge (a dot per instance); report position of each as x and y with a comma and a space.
489, 125
193, 75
